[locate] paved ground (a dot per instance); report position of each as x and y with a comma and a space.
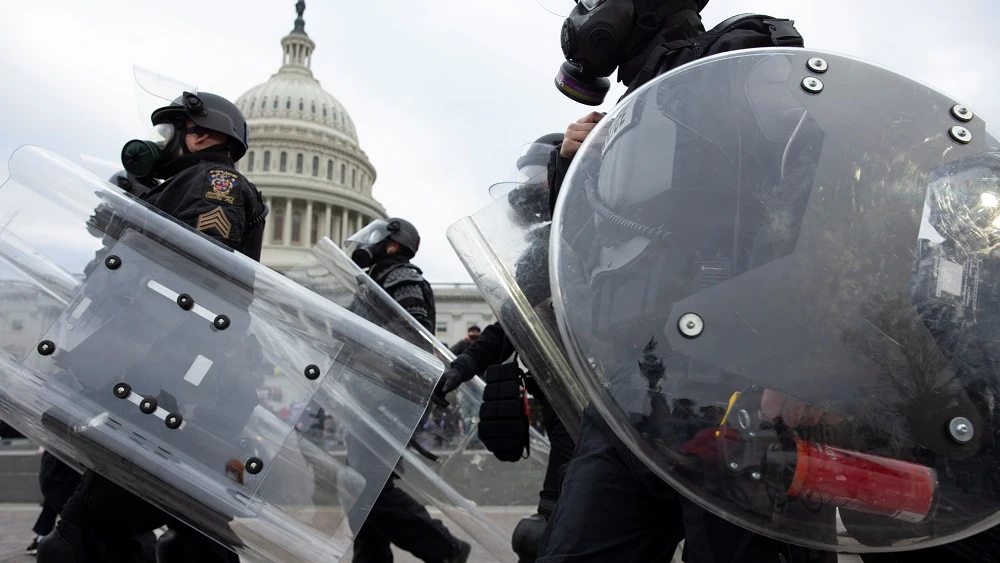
16, 521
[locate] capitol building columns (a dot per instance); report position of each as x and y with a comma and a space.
301, 223
305, 158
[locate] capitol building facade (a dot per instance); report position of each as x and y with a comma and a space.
305, 158
307, 161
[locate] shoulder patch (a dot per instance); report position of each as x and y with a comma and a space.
216, 219
222, 182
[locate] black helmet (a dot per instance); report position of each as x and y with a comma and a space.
403, 232
377, 234
212, 112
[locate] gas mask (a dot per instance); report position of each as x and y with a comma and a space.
595, 39
143, 158
366, 255
165, 143
370, 245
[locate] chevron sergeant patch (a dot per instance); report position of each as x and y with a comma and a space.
217, 219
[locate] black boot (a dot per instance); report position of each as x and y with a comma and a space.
526, 537
63, 545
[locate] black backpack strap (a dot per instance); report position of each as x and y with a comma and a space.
784, 34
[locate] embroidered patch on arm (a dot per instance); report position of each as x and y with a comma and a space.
217, 219
223, 183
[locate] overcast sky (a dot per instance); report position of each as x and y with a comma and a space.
443, 93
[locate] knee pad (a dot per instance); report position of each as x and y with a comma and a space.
64, 545
526, 537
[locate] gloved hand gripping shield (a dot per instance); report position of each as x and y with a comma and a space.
771, 271
439, 466
175, 367
504, 246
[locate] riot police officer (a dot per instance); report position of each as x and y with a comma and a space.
384, 248
701, 254
190, 158
529, 204
641, 39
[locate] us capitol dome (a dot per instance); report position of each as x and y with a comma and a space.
305, 158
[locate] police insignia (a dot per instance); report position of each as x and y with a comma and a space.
216, 219
223, 182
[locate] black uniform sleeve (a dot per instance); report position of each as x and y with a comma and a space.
460, 346
557, 168
492, 347
406, 286
214, 204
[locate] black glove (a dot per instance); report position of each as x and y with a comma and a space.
461, 370
450, 380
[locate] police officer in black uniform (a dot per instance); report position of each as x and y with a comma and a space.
642, 39
384, 248
190, 159
529, 202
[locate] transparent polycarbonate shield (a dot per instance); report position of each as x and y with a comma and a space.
504, 247
780, 295
182, 370
101, 167
558, 8
530, 168
154, 90
454, 482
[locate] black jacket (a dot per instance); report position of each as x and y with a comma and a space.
211, 197
405, 283
492, 347
461, 346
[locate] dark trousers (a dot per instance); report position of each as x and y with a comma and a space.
57, 482
109, 522
983, 547
560, 454
612, 508
397, 518
46, 521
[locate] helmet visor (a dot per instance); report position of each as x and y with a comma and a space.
372, 233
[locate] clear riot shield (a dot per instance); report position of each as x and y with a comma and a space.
34, 291
179, 369
781, 296
454, 482
504, 247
